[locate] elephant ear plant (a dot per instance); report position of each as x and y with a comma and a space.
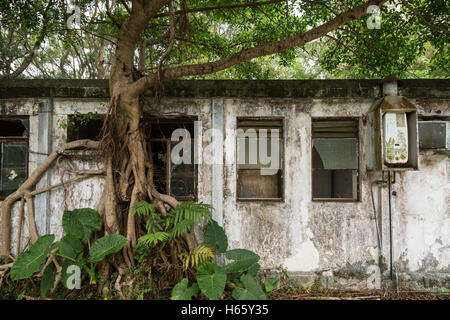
238, 275
75, 248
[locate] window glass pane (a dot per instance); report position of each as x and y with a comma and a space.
252, 184
328, 184
260, 159
174, 175
14, 158
249, 156
335, 154
335, 159
159, 166
182, 175
13, 127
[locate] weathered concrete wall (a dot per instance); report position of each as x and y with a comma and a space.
82, 194
332, 241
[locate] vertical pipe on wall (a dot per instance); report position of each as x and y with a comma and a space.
393, 269
390, 227
377, 221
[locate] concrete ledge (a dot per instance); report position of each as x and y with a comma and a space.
426, 281
76, 88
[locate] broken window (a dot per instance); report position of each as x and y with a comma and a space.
335, 160
174, 168
13, 154
84, 126
260, 159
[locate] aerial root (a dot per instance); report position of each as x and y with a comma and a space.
25, 195
117, 284
58, 274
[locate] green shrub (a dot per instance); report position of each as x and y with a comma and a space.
211, 279
78, 226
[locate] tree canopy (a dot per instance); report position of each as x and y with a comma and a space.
75, 39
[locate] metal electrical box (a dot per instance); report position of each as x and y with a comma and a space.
395, 132
434, 134
392, 139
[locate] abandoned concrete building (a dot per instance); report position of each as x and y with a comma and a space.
350, 204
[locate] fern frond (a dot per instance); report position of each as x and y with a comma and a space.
180, 228
143, 208
198, 256
151, 239
192, 211
153, 225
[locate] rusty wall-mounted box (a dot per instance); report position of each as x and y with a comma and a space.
392, 139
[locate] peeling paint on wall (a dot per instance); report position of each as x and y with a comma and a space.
305, 259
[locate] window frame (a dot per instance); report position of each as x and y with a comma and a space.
184, 119
16, 139
358, 155
282, 198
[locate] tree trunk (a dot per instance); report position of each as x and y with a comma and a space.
129, 172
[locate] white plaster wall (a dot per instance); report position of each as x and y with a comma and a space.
337, 238
82, 194
423, 215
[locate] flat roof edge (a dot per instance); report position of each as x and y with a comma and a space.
329, 88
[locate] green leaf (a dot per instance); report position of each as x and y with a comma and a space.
181, 291
30, 261
211, 280
244, 260
47, 280
152, 239
75, 243
215, 237
106, 245
143, 208
80, 223
192, 211
181, 227
270, 284
254, 269
252, 291
69, 246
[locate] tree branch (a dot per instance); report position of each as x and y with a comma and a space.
27, 61
25, 188
230, 6
172, 36
418, 14
126, 6
129, 34
299, 40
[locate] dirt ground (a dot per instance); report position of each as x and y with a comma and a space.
366, 295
